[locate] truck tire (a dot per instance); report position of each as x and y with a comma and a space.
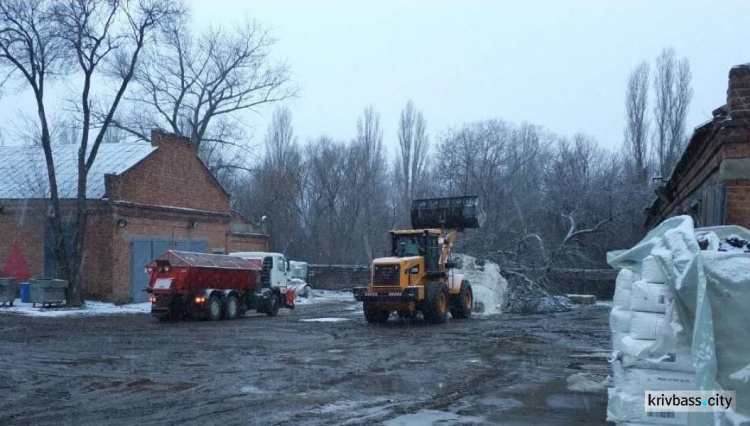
164, 317
214, 308
463, 302
435, 305
272, 308
376, 316
232, 307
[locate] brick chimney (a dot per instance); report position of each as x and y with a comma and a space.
159, 137
738, 94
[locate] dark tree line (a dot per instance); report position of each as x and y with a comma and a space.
551, 201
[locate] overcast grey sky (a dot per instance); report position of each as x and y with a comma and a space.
560, 64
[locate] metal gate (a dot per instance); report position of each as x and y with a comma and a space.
143, 251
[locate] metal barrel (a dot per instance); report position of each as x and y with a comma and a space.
451, 212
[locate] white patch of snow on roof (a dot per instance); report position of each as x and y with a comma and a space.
23, 170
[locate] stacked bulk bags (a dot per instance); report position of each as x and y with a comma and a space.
638, 318
680, 321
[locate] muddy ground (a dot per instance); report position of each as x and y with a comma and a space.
131, 369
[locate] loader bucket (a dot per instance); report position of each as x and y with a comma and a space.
450, 213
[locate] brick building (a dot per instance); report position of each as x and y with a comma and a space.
711, 181
142, 198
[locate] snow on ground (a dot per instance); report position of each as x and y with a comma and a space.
582, 382
324, 319
91, 308
489, 287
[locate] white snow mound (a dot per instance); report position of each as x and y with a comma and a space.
489, 287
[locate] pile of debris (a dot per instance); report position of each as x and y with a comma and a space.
528, 296
509, 292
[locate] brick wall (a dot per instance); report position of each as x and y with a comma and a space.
246, 242
144, 222
718, 154
172, 175
22, 223
738, 203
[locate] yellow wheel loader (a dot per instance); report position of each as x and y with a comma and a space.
418, 275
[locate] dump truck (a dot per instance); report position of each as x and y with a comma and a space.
212, 286
418, 274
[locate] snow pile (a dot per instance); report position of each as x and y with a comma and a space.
91, 308
489, 287
680, 319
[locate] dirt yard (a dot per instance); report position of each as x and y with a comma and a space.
131, 369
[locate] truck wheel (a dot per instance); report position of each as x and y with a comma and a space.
435, 305
376, 316
464, 301
166, 316
273, 305
232, 308
214, 308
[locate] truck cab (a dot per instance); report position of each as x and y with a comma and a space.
275, 269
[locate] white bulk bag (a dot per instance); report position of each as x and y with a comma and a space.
651, 271
645, 325
649, 297
619, 320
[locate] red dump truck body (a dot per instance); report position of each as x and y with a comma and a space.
209, 286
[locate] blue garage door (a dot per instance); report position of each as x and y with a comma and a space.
143, 251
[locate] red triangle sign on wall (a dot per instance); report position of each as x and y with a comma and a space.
16, 266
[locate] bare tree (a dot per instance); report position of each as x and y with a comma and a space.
100, 38
199, 85
637, 125
30, 46
672, 98
413, 147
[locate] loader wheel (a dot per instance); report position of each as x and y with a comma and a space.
214, 308
376, 316
232, 308
435, 305
464, 302
273, 305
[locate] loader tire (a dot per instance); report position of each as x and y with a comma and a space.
436, 302
232, 308
464, 302
376, 316
214, 308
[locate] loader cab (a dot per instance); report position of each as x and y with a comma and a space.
418, 242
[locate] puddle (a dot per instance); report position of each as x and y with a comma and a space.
501, 403
251, 390
325, 320
432, 417
566, 401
